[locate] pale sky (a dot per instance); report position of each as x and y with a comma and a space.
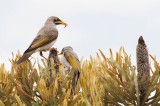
92, 25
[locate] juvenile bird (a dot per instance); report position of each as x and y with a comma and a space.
69, 59
45, 38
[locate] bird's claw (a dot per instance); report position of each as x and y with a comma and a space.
41, 54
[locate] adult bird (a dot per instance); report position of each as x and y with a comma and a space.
45, 38
69, 59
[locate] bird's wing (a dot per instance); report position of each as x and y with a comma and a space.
72, 59
43, 39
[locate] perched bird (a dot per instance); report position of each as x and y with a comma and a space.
69, 59
45, 38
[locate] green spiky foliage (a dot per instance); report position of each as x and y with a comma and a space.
104, 81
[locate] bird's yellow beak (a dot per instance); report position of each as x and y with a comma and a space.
61, 22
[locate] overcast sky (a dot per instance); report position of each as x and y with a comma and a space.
92, 25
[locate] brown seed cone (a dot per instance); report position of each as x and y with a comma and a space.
53, 54
143, 66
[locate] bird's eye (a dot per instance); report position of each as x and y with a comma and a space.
55, 19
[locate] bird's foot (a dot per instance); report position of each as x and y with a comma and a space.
41, 54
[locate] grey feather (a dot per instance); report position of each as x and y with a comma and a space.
67, 54
44, 40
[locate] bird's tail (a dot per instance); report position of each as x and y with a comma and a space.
25, 57
75, 80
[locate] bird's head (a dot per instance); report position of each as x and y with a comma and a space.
56, 21
67, 48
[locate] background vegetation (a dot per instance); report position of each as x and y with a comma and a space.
104, 81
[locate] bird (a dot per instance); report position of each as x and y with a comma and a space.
70, 60
45, 39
